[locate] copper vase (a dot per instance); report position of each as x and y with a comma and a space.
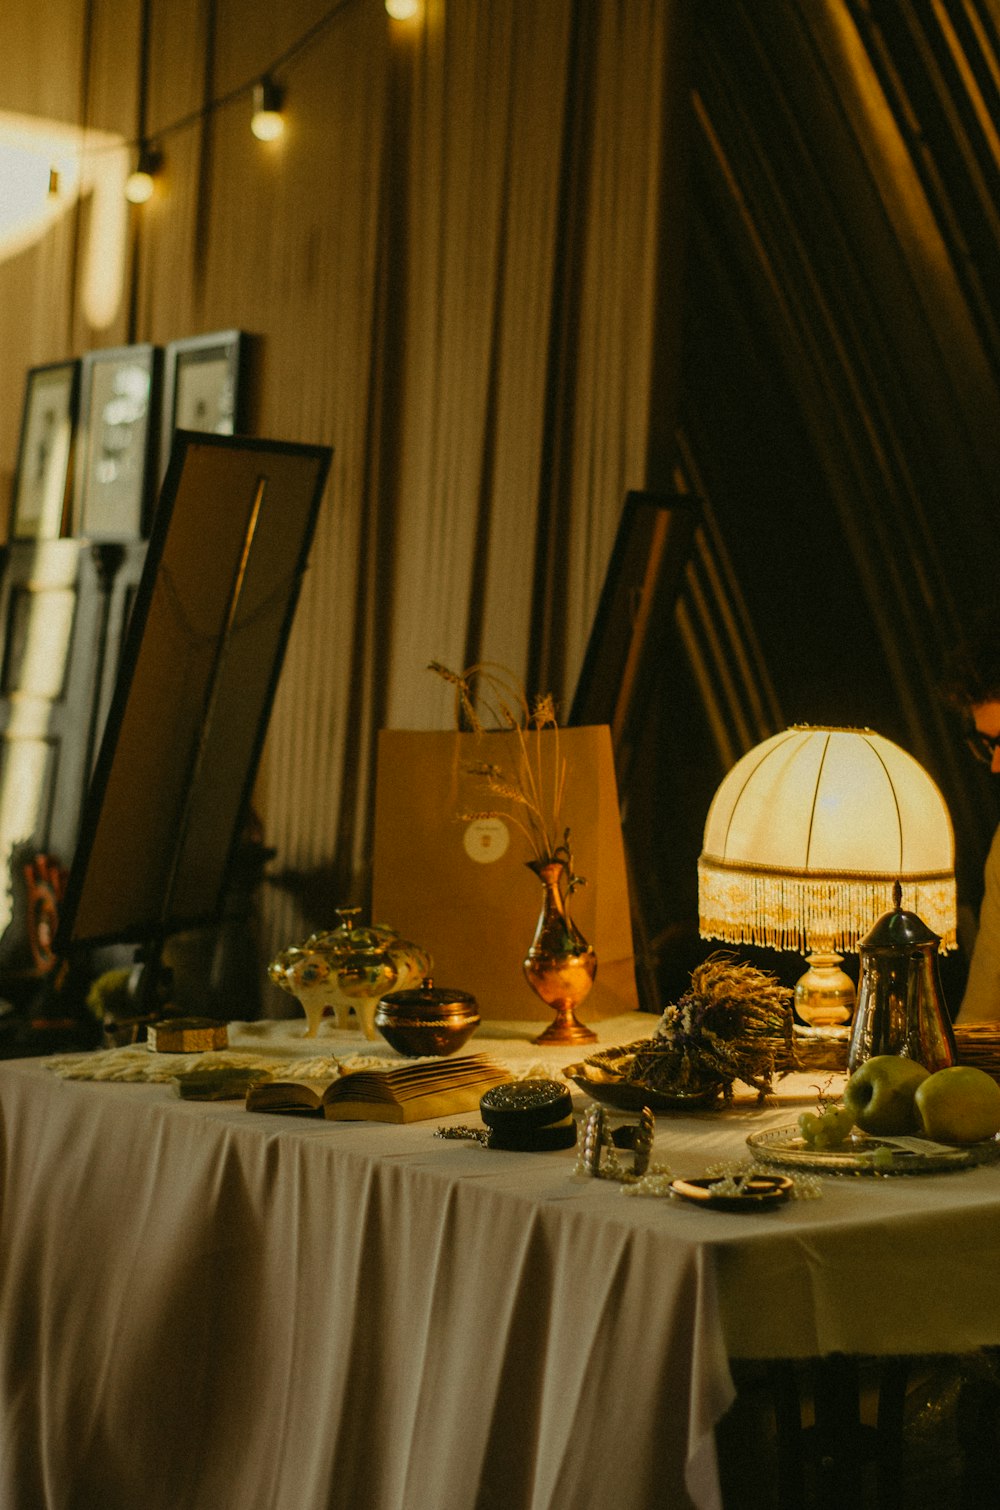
560, 965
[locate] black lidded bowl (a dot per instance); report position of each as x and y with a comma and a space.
427, 1019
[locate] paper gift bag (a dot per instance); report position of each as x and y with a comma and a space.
461, 887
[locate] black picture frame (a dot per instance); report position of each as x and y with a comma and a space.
203, 650
205, 387
650, 553
113, 474
625, 657
43, 477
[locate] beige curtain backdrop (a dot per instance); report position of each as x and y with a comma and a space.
458, 265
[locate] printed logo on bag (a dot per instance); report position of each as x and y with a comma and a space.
486, 839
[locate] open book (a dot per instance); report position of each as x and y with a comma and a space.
404, 1093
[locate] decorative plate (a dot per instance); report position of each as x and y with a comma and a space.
863, 1154
631, 1096
758, 1192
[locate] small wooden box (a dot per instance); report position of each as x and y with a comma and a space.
187, 1035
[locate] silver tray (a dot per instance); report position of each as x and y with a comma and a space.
785, 1147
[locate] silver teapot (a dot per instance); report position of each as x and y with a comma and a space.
901, 1007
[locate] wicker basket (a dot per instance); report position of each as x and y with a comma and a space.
820, 1049
978, 1044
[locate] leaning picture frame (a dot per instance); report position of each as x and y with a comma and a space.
45, 452
119, 390
625, 649
204, 387
195, 686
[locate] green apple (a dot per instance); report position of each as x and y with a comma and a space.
959, 1105
880, 1094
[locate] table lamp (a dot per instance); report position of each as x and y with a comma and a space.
804, 841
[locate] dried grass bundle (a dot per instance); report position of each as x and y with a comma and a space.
731, 1024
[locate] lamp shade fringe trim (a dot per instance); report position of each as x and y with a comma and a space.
803, 913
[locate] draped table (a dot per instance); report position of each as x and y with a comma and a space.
209, 1308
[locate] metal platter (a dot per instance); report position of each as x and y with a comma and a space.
861, 1154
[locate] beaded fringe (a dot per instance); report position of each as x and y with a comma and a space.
804, 913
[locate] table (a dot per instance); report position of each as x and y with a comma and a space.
216, 1310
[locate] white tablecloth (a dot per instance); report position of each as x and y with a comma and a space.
206, 1309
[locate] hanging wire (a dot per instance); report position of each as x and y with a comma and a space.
291, 53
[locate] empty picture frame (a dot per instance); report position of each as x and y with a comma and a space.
42, 481
203, 650
204, 387
112, 476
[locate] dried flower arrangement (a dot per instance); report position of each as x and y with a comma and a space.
733, 1023
488, 699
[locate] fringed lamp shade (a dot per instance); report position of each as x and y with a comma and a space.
807, 834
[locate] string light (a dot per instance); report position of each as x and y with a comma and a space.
140, 183
267, 122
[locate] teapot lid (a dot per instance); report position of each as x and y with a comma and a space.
899, 932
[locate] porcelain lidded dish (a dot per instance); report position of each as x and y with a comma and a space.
345, 970
427, 1019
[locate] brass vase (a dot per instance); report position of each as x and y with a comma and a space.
560, 965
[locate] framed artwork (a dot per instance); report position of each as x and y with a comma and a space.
112, 475
204, 387
41, 484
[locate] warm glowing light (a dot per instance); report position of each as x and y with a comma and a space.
139, 187
140, 184
403, 10
808, 832
104, 176
267, 122
31, 152
267, 125
35, 153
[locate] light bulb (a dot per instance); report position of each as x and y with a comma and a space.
139, 187
267, 122
402, 10
141, 182
267, 125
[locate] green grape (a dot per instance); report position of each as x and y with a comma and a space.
825, 1129
834, 1126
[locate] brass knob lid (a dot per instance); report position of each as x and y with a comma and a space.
428, 995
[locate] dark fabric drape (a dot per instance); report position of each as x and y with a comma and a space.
839, 407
